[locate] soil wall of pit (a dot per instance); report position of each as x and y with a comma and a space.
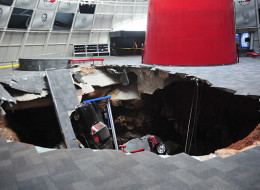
221, 117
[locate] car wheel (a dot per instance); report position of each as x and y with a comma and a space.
160, 149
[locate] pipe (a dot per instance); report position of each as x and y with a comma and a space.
112, 123
97, 99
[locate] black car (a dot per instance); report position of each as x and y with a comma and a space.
89, 127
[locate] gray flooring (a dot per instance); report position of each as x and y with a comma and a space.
22, 167
243, 78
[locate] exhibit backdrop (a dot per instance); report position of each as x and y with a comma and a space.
42, 20
4, 13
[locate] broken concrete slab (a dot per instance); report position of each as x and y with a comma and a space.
138, 143
122, 74
5, 96
78, 77
24, 97
65, 100
32, 84
87, 88
149, 81
100, 78
125, 92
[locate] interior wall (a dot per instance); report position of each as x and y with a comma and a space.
34, 41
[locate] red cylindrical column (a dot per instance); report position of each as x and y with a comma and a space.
197, 32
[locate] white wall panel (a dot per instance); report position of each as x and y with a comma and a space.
69, 53
62, 38
108, 9
40, 38
124, 10
53, 38
32, 51
36, 38
79, 38
27, 51
51, 50
121, 19
7, 38
17, 38
56, 50
103, 22
141, 9
95, 38
31, 38
37, 50
3, 51
12, 53
104, 38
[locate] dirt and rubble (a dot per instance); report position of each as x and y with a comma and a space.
223, 118
252, 138
251, 141
5, 131
220, 118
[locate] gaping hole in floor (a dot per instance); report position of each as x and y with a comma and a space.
213, 118
219, 120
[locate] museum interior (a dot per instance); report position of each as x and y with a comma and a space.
129, 94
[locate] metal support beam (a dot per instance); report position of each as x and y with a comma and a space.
109, 111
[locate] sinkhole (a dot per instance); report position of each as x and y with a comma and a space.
188, 115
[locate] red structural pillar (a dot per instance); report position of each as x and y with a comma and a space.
197, 32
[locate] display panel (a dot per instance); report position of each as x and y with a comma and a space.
48, 5
4, 13
6, 2
42, 20
244, 4
63, 21
245, 38
89, 9
67, 7
27, 4
245, 13
20, 18
246, 18
83, 22
237, 38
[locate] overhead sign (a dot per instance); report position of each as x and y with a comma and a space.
67, 7
49, 5
83, 21
42, 20
27, 4
245, 13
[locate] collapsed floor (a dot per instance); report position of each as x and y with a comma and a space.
159, 104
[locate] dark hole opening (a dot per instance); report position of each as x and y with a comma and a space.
37, 126
222, 119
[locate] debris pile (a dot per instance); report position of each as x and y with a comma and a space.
144, 101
